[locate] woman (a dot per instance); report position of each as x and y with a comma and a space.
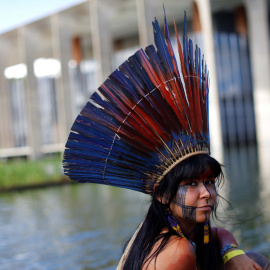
189, 192
146, 129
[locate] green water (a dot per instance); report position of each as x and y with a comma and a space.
85, 226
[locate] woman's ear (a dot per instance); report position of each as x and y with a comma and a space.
163, 199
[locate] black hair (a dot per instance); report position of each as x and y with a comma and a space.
156, 220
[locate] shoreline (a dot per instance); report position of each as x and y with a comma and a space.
45, 184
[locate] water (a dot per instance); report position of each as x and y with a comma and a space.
248, 189
70, 227
85, 226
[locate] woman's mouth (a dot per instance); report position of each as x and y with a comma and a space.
205, 208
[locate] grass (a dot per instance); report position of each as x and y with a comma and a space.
23, 173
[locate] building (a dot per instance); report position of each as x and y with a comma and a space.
49, 67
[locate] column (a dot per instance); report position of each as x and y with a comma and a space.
6, 135
146, 14
61, 47
214, 110
30, 43
100, 15
258, 30
21, 59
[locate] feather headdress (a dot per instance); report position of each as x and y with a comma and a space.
150, 115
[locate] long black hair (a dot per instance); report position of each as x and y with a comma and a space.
156, 219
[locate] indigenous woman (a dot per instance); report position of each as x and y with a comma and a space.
174, 236
146, 129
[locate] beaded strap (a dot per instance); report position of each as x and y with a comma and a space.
227, 247
176, 226
206, 233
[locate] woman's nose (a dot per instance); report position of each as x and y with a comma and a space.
204, 191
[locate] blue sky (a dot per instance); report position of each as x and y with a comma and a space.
14, 13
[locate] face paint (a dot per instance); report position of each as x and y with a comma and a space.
181, 195
210, 194
189, 212
214, 187
195, 199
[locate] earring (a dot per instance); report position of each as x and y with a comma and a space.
174, 223
206, 233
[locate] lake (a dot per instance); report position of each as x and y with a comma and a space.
85, 226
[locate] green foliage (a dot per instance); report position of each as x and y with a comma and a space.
16, 173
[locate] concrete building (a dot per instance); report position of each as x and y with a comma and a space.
50, 67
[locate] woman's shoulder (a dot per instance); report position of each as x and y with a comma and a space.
178, 254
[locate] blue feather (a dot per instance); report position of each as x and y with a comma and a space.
162, 49
185, 46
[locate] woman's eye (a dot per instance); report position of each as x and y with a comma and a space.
193, 183
210, 182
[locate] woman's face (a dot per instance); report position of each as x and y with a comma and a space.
195, 199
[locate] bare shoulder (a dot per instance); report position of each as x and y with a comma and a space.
178, 254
